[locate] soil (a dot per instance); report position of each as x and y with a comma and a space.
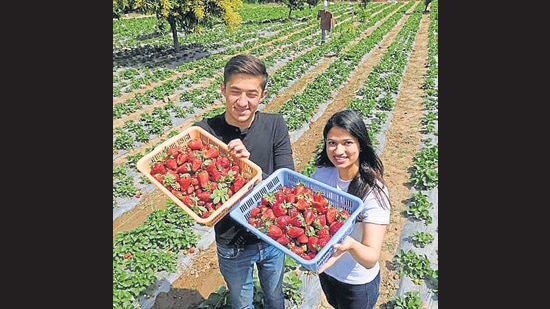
403, 140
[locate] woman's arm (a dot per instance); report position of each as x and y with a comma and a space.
366, 252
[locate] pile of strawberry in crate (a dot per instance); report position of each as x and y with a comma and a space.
298, 218
199, 174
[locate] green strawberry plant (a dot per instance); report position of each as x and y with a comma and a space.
411, 300
421, 239
419, 208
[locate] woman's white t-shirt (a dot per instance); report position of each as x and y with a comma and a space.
346, 269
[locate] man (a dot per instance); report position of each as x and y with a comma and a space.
264, 139
327, 22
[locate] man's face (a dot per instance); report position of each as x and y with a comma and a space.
243, 94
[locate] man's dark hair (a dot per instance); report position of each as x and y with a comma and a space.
245, 64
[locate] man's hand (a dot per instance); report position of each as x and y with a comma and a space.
237, 148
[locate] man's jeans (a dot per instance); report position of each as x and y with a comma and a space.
237, 266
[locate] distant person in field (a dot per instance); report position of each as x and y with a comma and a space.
350, 278
327, 21
426, 3
264, 139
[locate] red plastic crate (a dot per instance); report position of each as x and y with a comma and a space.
290, 178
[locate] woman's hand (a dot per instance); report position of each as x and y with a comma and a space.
237, 148
340, 249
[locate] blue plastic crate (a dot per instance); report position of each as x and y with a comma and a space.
290, 178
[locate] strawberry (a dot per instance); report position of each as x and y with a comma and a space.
331, 215
196, 164
177, 193
301, 204
158, 177
280, 196
254, 212
253, 221
323, 233
278, 209
298, 250
268, 214
320, 202
282, 221
285, 189
187, 200
308, 216
182, 158
297, 221
203, 178
322, 242
268, 198
223, 162
335, 226
210, 165
238, 183
303, 239
320, 221
312, 244
212, 152
171, 164
295, 232
236, 169
185, 181
293, 212
216, 175
173, 151
344, 214
300, 188
170, 179
274, 231
291, 197
195, 143
205, 196
283, 240
158, 168
209, 206
184, 168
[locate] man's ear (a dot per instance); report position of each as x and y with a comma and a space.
222, 88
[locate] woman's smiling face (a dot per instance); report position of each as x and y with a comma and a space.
343, 151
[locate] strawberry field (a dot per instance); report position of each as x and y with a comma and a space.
381, 60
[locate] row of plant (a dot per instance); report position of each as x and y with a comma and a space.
367, 100
131, 34
414, 264
246, 37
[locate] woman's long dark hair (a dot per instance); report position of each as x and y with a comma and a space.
371, 168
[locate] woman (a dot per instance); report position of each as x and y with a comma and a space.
350, 278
